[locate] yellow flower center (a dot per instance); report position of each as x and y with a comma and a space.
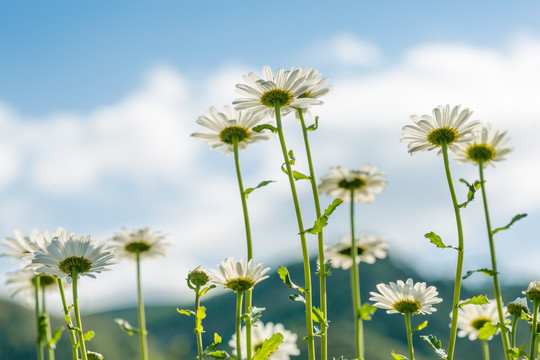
442, 135
347, 251
356, 183
276, 97
407, 306
480, 153
137, 247
46, 280
240, 284
75, 263
479, 323
230, 133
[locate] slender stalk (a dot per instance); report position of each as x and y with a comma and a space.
48, 335
485, 350
355, 288
198, 333
78, 322
248, 241
514, 329
495, 275
142, 317
460, 249
238, 324
409, 334
37, 289
67, 317
305, 255
320, 241
533, 330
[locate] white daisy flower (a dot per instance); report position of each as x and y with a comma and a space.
239, 275
284, 89
226, 126
261, 332
23, 281
472, 317
144, 242
449, 126
368, 247
365, 182
403, 297
488, 146
67, 255
318, 87
19, 245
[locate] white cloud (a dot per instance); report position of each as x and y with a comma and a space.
346, 49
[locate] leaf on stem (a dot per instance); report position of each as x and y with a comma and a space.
297, 297
206, 289
514, 219
262, 127
43, 324
476, 300
487, 331
268, 347
254, 313
318, 316
183, 312
261, 184
398, 356
126, 326
436, 239
484, 271
89, 335
514, 353
321, 222
366, 311
284, 275
55, 337
211, 351
327, 269
420, 327
472, 190
436, 344
201, 314
315, 126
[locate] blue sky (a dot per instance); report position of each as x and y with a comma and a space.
98, 99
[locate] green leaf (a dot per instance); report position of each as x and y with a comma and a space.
254, 313
220, 354
43, 324
262, 127
420, 327
214, 345
484, 271
318, 316
284, 275
292, 159
321, 222
201, 314
476, 300
366, 311
472, 190
487, 331
295, 174
126, 326
436, 239
55, 337
89, 335
206, 289
327, 269
297, 297
67, 318
315, 126
514, 219
436, 344
398, 356
268, 347
183, 312
261, 184
515, 352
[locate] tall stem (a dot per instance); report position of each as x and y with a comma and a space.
355, 288
305, 255
142, 317
514, 329
485, 349
48, 335
409, 334
238, 324
67, 317
78, 322
198, 333
37, 289
320, 241
460, 249
248, 241
495, 274
533, 330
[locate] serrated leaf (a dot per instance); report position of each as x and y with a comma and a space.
284, 275
398, 356
327, 269
436, 344
366, 311
67, 318
514, 219
214, 345
55, 337
89, 335
183, 312
314, 126
472, 190
268, 347
126, 326
261, 184
487, 331
436, 239
484, 271
201, 314
254, 313
321, 222
475, 300
318, 316
297, 297
420, 327
262, 127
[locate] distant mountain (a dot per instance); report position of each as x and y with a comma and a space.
171, 334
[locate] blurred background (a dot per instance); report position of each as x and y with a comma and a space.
98, 100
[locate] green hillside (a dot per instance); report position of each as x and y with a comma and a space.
171, 334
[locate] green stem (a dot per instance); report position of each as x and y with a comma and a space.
67, 317
78, 322
48, 335
37, 288
320, 242
305, 255
460, 249
355, 288
142, 317
495, 275
533, 330
409, 334
198, 333
514, 329
248, 241
485, 350
238, 324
